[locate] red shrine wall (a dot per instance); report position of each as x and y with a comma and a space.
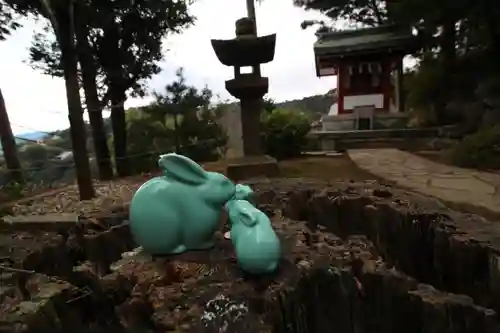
361, 81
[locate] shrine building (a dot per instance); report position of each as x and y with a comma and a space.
368, 64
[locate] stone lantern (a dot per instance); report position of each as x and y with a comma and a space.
248, 50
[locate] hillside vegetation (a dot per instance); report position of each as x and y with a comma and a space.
315, 106
183, 121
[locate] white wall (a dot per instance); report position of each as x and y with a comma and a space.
334, 110
350, 102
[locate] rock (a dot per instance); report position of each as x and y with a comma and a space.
134, 313
382, 193
295, 208
452, 251
220, 313
107, 247
44, 311
352, 262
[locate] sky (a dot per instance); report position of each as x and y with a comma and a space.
37, 102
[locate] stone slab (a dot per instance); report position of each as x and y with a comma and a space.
50, 222
251, 167
448, 183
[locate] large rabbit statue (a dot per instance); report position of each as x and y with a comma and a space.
257, 247
180, 210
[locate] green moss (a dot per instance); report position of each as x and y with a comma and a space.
480, 150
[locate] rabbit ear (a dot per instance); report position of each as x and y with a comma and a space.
182, 169
247, 218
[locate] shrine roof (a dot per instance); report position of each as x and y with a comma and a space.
384, 38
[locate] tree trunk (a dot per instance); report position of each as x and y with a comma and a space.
177, 135
9, 144
448, 42
117, 89
119, 126
491, 23
69, 63
89, 74
448, 58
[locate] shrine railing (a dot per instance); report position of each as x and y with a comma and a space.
403, 138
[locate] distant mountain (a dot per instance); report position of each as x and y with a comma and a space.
27, 137
32, 136
316, 106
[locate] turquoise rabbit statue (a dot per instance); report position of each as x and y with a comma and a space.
257, 247
180, 210
243, 192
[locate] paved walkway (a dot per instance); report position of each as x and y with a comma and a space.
455, 185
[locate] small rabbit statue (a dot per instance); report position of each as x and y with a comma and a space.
243, 192
179, 211
257, 247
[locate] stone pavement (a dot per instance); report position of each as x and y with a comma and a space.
451, 184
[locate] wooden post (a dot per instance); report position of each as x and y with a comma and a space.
251, 13
399, 86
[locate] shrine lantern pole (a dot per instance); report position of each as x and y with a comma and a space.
251, 13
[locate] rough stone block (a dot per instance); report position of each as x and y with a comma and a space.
362, 258
43, 311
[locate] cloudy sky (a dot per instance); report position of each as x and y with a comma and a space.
36, 102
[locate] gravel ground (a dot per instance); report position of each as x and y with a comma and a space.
109, 194
117, 193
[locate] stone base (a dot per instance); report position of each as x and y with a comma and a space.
251, 167
379, 120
